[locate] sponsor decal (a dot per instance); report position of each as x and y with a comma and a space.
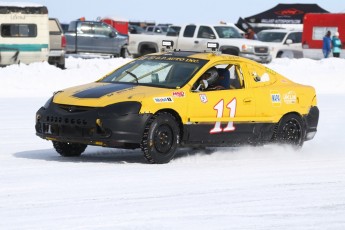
177, 59
178, 94
163, 99
290, 97
291, 11
275, 98
203, 98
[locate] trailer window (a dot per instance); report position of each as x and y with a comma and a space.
319, 32
18, 30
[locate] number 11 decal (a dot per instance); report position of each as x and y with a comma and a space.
220, 108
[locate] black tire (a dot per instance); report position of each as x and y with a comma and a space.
67, 149
160, 139
125, 53
279, 55
290, 130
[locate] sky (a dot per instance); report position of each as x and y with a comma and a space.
177, 11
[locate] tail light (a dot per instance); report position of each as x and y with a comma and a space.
63, 41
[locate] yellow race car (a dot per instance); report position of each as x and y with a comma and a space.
163, 101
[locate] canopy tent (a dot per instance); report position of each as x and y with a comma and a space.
285, 14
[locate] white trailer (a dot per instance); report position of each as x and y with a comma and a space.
24, 33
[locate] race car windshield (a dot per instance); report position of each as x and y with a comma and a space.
159, 71
227, 32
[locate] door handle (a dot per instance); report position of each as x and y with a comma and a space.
247, 100
196, 42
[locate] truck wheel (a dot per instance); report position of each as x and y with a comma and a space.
125, 53
160, 139
290, 130
67, 149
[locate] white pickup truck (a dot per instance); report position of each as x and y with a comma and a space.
195, 37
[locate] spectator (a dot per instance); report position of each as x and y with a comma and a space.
251, 34
336, 45
327, 44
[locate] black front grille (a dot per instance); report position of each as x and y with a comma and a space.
261, 50
75, 109
61, 120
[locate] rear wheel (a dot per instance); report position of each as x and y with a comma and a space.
290, 130
161, 137
67, 149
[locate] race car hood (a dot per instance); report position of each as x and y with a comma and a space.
102, 94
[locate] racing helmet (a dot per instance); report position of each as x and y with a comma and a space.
211, 75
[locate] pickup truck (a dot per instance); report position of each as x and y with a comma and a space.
95, 37
195, 37
57, 42
283, 42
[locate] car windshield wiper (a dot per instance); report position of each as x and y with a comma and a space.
133, 75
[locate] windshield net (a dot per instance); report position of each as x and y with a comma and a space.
160, 71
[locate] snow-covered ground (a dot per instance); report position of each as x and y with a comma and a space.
270, 187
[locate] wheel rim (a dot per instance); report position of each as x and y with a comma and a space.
163, 139
292, 132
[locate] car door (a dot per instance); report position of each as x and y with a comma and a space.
104, 38
220, 116
195, 38
296, 45
85, 41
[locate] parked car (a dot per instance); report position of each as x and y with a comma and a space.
57, 41
95, 37
160, 102
194, 37
283, 42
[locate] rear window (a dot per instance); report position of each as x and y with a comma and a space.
53, 26
18, 30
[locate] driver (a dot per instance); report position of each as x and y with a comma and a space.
212, 78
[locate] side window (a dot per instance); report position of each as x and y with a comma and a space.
18, 30
102, 30
158, 30
295, 37
85, 28
260, 76
150, 29
206, 32
189, 31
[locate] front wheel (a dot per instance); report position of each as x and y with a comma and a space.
125, 53
290, 130
67, 149
160, 139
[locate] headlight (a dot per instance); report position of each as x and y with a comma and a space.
120, 109
247, 49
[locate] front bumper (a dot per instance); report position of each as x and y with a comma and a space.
90, 126
263, 58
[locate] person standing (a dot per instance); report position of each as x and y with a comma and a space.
336, 45
327, 44
251, 34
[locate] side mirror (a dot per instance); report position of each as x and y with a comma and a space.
288, 41
112, 34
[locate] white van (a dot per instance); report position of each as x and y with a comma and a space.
24, 32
